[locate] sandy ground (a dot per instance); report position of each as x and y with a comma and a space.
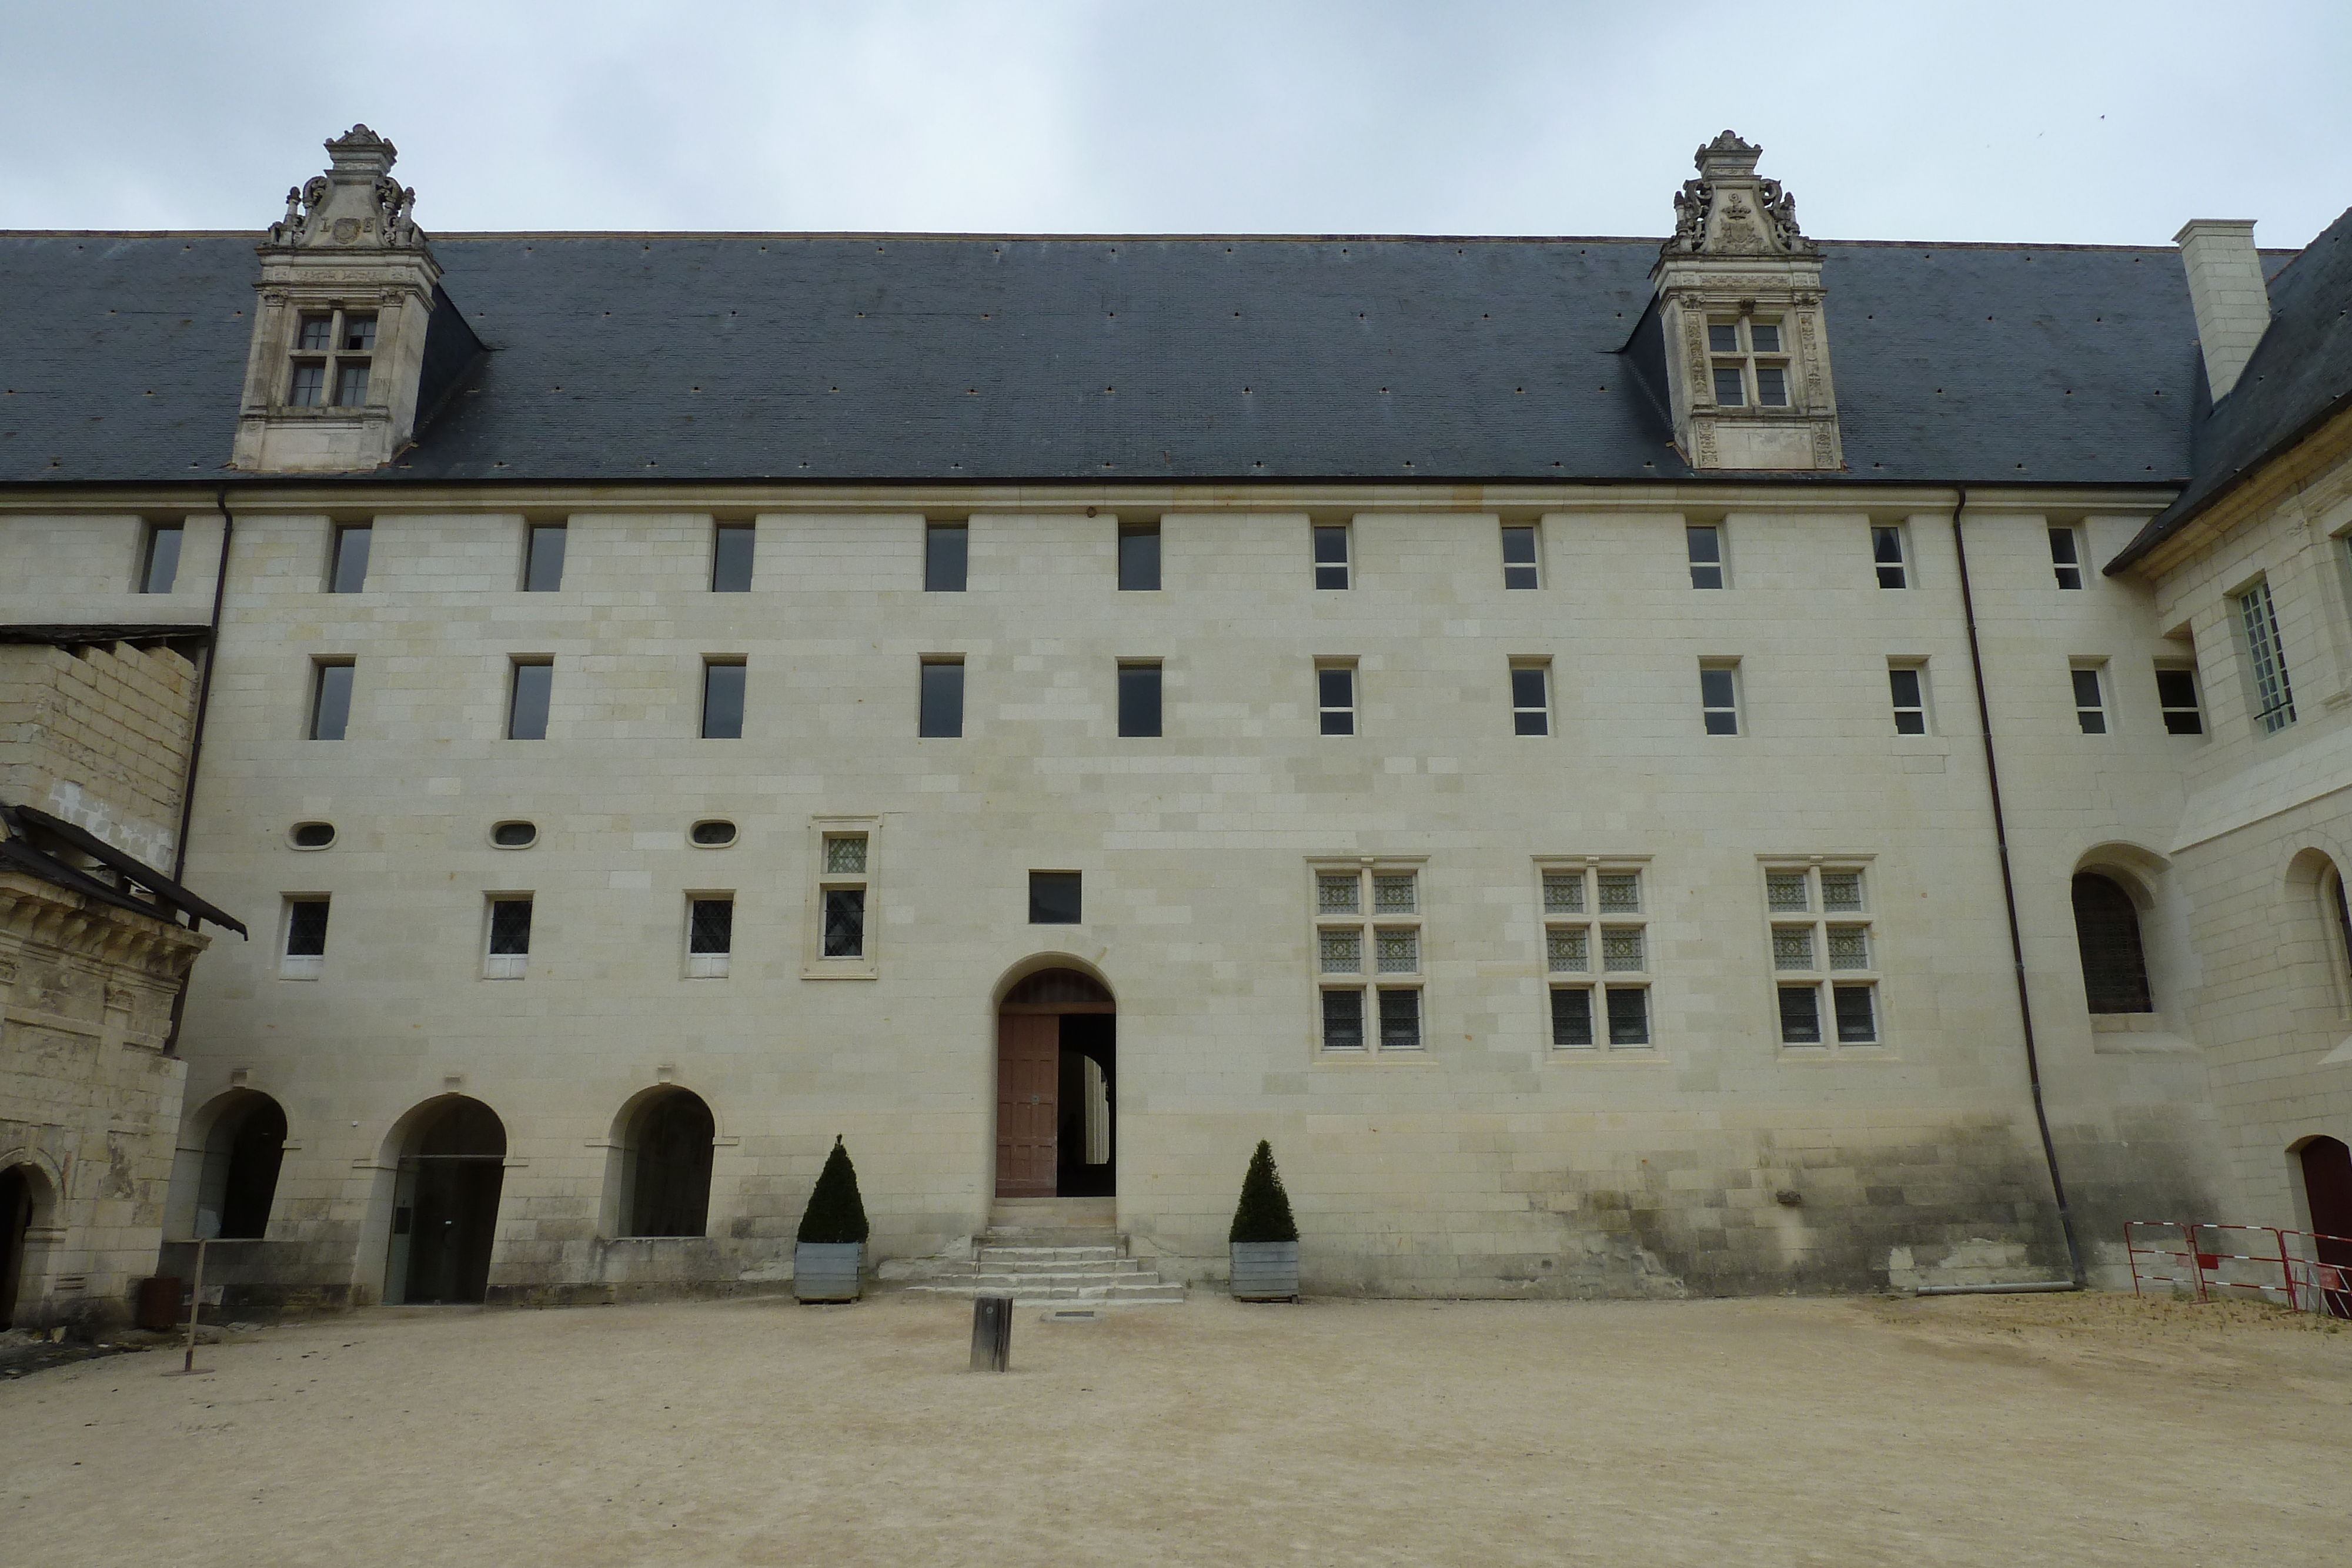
2070, 1429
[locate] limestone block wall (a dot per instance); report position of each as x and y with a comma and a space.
99, 735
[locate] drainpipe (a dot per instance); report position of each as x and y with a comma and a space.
2009, 897
196, 743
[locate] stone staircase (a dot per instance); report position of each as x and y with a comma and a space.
1051, 1252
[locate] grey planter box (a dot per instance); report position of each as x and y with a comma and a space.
1266, 1271
827, 1271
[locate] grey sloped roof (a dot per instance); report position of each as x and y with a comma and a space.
2300, 375
976, 358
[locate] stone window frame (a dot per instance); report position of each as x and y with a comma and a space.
1573, 931
1920, 705
1332, 575
2066, 557
2262, 648
150, 545
1752, 364
1367, 923
1349, 713
2173, 711
707, 966
497, 965
306, 966
2095, 702
1820, 972
867, 964
1890, 554
1711, 534
331, 359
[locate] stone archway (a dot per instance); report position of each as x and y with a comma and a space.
452, 1165
1056, 1086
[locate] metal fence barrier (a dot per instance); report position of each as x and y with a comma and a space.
2303, 1271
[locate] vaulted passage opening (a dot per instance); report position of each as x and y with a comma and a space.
445, 1204
15, 1218
242, 1153
666, 1165
2327, 1189
2107, 929
1057, 1076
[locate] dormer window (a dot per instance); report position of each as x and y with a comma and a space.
333, 351
1748, 368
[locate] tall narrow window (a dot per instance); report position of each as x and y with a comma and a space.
1887, 554
2176, 694
1334, 695
348, 573
1139, 699
305, 955
309, 387
2265, 660
508, 956
1704, 542
2090, 700
1369, 960
1332, 557
2066, 557
946, 552
710, 935
1824, 956
1057, 898
161, 569
1718, 698
2107, 929
533, 683
842, 896
1532, 699
1908, 684
1138, 557
542, 568
730, 557
331, 699
940, 701
350, 384
1596, 956
722, 699
1519, 570
333, 349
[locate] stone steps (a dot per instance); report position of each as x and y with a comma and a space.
1051, 1252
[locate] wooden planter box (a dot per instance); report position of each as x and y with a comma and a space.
1266, 1271
827, 1271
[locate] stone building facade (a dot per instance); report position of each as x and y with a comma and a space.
1620, 813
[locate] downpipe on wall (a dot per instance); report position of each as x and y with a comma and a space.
196, 745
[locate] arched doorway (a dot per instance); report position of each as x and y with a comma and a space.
15, 1219
1057, 1075
664, 1142
243, 1149
444, 1211
2328, 1189
2106, 930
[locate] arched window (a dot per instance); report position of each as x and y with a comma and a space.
2107, 926
665, 1177
242, 1153
2341, 925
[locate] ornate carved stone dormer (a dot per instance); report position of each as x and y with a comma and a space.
1747, 344
346, 289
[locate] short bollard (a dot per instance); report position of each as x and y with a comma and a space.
991, 1332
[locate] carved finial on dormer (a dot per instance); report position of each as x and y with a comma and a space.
356, 205
1730, 210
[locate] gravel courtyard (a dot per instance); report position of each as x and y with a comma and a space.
2061, 1429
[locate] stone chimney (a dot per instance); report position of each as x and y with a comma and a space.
2226, 290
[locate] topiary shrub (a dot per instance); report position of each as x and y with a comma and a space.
836, 1216
1263, 1212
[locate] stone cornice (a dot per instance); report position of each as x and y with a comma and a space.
38, 915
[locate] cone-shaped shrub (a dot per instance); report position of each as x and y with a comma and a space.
834, 1214
1263, 1212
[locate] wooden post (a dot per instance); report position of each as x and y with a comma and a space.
991, 1332
196, 1304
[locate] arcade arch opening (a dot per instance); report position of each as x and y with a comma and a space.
444, 1207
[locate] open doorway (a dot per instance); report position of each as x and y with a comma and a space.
444, 1211
2328, 1189
1056, 1088
15, 1219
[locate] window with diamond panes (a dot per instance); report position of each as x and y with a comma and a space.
842, 896
710, 935
508, 955
1824, 956
1367, 959
1596, 958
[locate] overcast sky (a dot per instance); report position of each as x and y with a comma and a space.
2049, 122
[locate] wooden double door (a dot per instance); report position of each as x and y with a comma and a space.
1055, 1066
1028, 1104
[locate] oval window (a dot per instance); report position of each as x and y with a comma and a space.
515, 835
714, 835
313, 835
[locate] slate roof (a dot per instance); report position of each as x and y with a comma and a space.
2299, 377
887, 358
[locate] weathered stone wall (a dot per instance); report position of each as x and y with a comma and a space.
99, 736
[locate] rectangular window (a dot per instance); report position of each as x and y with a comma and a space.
2066, 557
1335, 697
1578, 949
730, 557
1887, 554
347, 573
1389, 945
350, 384
1055, 898
1138, 700
1812, 956
1703, 541
845, 921
542, 570
1571, 1017
508, 954
1332, 558
1908, 686
359, 334
1728, 390
710, 937
331, 699
1519, 555
939, 712
722, 699
1530, 699
533, 683
2265, 660
845, 887
1772, 386
316, 335
306, 940
1629, 1016
946, 552
1138, 559
1718, 698
2090, 700
308, 389
161, 569
2176, 694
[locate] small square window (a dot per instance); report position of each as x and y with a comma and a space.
1620, 950
359, 334
1138, 700
1343, 1020
1857, 1016
844, 855
1723, 337
316, 335
845, 921
731, 548
2176, 693
1563, 892
1334, 695
1054, 898
1339, 894
1621, 893
534, 685
939, 704
1786, 892
161, 569
306, 940
542, 570
1764, 337
1842, 891
2066, 557
946, 554
1571, 1017
1849, 946
1792, 948
1565, 951
1801, 1015
1520, 569
350, 384
1331, 555
1703, 541
330, 700
2090, 703
723, 683
1530, 700
1718, 698
1341, 951
1393, 893
1629, 1015
1400, 951
1908, 686
1728, 390
308, 389
1887, 554
348, 573
1772, 386
1400, 1018
1138, 559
